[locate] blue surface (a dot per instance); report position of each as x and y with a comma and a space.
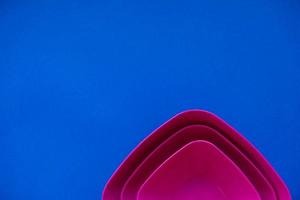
82, 82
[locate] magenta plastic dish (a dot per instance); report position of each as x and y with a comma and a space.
183, 137
114, 186
198, 171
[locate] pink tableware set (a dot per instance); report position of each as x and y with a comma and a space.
195, 156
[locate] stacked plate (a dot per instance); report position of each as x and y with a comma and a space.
195, 155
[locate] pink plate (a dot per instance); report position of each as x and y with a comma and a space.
183, 137
198, 171
113, 188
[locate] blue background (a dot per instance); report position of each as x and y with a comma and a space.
82, 82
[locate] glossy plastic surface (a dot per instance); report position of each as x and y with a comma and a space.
183, 137
198, 171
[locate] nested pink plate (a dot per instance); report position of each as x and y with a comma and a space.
183, 137
114, 186
199, 170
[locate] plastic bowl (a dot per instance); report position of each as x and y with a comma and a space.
198, 171
183, 137
114, 186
